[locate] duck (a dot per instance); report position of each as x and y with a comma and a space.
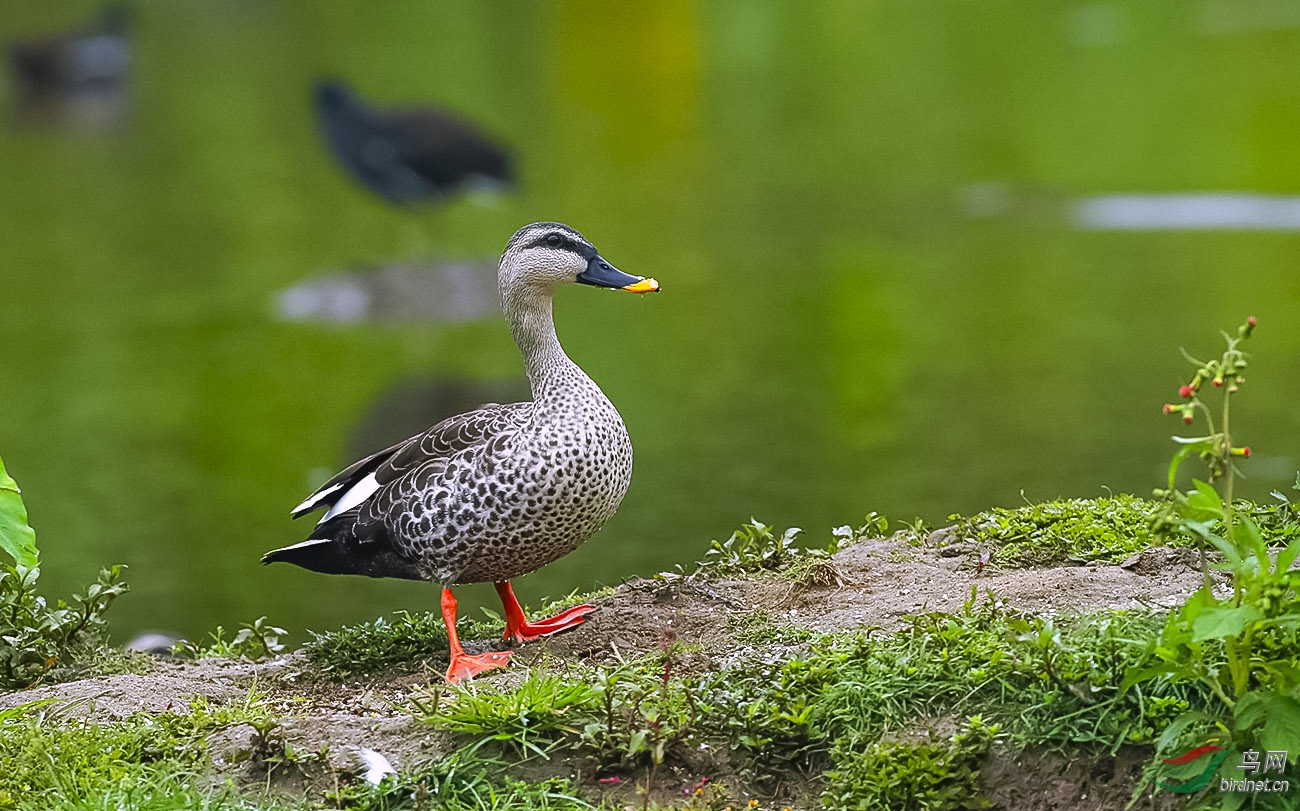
407, 155
95, 58
500, 491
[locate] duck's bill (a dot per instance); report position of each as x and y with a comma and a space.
602, 274
642, 285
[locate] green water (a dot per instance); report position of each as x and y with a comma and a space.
874, 294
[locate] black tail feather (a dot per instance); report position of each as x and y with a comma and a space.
334, 549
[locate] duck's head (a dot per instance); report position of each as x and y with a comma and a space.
332, 98
545, 255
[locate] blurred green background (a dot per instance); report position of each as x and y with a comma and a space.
877, 291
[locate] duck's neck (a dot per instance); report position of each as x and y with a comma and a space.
533, 326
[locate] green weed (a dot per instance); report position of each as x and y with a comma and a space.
205, 715
529, 716
462, 781
645, 708
1093, 529
376, 645
36, 638
102, 660
762, 709
1279, 522
54, 761
1049, 682
874, 525
406, 637
752, 548
757, 547
255, 641
1243, 646
17, 539
758, 627
625, 715
899, 776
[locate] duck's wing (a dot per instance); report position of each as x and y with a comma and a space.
352, 487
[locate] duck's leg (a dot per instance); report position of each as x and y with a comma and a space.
464, 666
519, 629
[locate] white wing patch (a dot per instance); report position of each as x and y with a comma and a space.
358, 493
311, 542
315, 499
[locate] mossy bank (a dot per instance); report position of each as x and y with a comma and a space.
1005, 662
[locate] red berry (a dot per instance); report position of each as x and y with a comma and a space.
1246, 450
1251, 321
1186, 391
1187, 418
1168, 408
1218, 381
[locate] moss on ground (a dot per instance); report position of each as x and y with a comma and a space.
1106, 529
850, 716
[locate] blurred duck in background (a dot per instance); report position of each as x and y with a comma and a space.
408, 155
78, 78
92, 59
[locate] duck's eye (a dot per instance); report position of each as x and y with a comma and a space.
554, 240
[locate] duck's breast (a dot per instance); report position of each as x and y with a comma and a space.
562, 480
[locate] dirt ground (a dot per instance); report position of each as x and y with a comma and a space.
874, 583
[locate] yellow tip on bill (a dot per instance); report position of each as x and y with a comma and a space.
642, 286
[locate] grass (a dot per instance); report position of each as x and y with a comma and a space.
526, 714
757, 547
1041, 681
407, 637
837, 716
1106, 529
462, 781
758, 627
912, 776
1047, 682
53, 760
384, 643
626, 715
42, 641
102, 660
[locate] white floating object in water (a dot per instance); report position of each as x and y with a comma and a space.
437, 291
1200, 211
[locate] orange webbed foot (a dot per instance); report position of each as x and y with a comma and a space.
519, 629
522, 630
464, 666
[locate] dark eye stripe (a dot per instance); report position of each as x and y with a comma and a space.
565, 244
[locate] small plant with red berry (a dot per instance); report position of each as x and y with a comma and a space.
1237, 642
1202, 510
